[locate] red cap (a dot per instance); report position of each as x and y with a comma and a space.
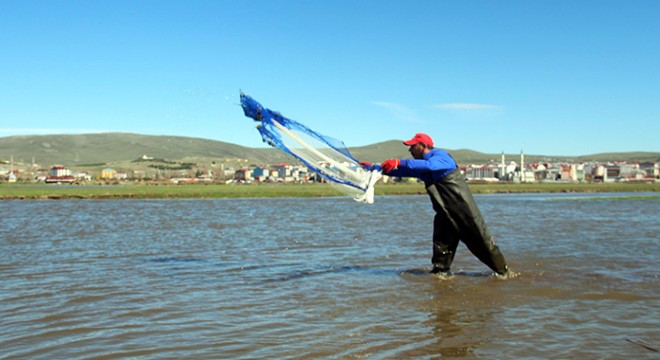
419, 138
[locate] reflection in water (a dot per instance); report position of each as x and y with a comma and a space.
464, 319
453, 336
324, 278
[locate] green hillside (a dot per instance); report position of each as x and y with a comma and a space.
73, 150
394, 149
107, 148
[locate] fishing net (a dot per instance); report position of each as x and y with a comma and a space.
327, 157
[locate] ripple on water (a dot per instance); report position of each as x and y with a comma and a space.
324, 278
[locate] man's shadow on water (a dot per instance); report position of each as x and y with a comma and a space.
460, 273
288, 274
326, 270
415, 272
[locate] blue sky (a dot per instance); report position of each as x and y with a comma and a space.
546, 77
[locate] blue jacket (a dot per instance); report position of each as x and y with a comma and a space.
436, 164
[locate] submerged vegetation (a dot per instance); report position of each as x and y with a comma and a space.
270, 190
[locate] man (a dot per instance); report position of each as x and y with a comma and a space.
457, 215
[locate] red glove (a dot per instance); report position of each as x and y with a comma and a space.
365, 163
389, 165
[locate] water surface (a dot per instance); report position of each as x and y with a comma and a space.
325, 278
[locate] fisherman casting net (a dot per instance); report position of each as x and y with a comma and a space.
327, 157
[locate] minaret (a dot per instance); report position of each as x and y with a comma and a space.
11, 178
522, 166
503, 166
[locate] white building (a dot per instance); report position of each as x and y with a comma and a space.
59, 171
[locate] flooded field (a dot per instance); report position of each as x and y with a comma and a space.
326, 278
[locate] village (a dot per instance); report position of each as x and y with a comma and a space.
220, 172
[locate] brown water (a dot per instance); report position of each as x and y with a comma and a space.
325, 278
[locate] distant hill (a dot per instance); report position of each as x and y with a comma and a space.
394, 149
106, 148
72, 150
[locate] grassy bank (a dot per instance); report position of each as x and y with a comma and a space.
142, 191
563, 187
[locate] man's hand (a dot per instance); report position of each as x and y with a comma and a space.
389, 165
369, 166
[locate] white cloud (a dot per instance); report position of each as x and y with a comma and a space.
466, 106
400, 111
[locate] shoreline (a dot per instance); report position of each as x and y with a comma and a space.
211, 191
